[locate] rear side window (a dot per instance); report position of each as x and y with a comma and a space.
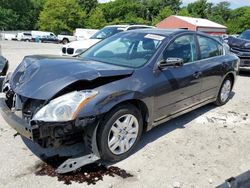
209, 47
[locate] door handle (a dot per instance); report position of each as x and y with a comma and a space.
197, 74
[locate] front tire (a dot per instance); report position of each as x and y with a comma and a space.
65, 41
119, 133
224, 93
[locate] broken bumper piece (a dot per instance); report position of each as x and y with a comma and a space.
20, 125
76, 162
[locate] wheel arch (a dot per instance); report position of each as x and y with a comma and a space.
232, 76
140, 105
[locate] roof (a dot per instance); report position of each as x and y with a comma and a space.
200, 22
132, 25
163, 32
117, 26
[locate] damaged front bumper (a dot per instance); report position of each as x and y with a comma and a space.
58, 134
20, 125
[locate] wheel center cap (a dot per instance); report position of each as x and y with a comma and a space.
123, 133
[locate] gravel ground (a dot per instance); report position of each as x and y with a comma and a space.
198, 149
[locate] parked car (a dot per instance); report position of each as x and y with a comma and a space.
4, 65
83, 34
222, 40
77, 47
24, 36
241, 47
106, 97
66, 37
44, 36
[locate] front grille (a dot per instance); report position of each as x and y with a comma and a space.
245, 63
64, 50
70, 51
241, 49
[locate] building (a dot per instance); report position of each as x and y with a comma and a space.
195, 24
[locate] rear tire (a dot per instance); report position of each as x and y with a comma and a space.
224, 93
119, 133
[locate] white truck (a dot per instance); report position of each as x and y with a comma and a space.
65, 37
24, 36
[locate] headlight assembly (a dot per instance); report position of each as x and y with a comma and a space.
65, 107
79, 51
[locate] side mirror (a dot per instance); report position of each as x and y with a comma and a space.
4, 66
169, 62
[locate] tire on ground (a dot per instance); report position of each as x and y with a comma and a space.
109, 120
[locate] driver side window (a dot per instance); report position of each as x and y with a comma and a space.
182, 47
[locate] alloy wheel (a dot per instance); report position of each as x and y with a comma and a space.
123, 134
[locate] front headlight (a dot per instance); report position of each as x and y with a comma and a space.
78, 51
65, 107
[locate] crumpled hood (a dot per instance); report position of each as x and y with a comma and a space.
238, 43
82, 44
41, 77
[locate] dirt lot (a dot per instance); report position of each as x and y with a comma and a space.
199, 149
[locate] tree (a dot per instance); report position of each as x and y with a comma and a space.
239, 20
165, 12
184, 12
96, 19
88, 5
155, 6
22, 19
199, 8
37, 6
220, 13
8, 18
61, 15
122, 11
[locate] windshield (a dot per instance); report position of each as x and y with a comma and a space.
245, 35
106, 32
126, 49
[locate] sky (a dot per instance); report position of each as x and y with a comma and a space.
234, 3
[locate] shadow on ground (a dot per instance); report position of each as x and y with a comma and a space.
177, 123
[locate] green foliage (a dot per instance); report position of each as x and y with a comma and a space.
123, 10
184, 12
61, 15
20, 14
96, 19
220, 13
164, 13
239, 20
198, 9
153, 7
7, 19
88, 5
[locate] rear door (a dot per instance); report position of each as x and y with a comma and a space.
178, 88
210, 62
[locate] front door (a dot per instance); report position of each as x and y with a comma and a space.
179, 87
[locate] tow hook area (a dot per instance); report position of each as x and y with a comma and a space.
82, 159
